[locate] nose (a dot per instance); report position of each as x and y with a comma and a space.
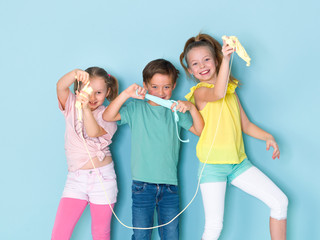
161, 92
91, 97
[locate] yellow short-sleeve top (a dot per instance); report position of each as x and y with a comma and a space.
228, 147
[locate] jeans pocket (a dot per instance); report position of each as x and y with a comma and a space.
138, 187
173, 189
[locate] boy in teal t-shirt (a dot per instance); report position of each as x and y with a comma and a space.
155, 147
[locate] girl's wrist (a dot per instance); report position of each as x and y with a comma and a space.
226, 58
269, 137
75, 71
192, 107
86, 108
125, 94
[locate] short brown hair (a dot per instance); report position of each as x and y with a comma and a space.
160, 66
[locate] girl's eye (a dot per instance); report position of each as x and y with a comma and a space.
194, 64
207, 59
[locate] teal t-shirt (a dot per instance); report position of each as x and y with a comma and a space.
154, 142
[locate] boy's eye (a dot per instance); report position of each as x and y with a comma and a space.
207, 59
154, 86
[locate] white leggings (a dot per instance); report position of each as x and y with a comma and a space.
253, 182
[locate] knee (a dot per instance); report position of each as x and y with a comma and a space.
100, 232
280, 208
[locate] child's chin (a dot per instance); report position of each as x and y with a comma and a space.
93, 107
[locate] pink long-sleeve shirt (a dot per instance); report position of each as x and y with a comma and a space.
76, 153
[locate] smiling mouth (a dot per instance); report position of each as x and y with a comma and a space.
204, 72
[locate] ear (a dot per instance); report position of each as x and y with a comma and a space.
108, 92
144, 85
190, 71
174, 86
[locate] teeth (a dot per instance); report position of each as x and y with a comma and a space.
204, 72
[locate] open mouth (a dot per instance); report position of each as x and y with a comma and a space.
204, 72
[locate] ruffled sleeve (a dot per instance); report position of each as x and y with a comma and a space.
69, 105
190, 96
232, 86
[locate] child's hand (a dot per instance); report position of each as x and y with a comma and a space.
136, 91
182, 106
83, 98
272, 143
81, 76
227, 50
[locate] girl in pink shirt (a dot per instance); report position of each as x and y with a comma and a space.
83, 183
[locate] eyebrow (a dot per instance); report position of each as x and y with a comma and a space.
206, 56
170, 84
99, 90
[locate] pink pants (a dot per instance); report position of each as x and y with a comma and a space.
69, 212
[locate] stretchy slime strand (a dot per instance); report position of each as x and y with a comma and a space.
233, 41
198, 185
167, 104
85, 89
163, 102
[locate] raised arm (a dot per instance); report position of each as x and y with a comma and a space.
66, 81
93, 129
111, 113
204, 94
198, 122
254, 131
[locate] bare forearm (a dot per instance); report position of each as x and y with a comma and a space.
111, 113
66, 81
93, 129
222, 80
256, 132
198, 122
63, 86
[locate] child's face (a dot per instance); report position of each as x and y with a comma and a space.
99, 93
201, 64
161, 86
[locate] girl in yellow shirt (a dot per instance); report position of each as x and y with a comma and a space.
208, 62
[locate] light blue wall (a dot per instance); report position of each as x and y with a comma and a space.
42, 40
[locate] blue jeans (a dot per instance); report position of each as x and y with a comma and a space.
146, 197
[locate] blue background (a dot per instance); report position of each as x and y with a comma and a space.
42, 40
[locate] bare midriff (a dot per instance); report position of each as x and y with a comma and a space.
107, 160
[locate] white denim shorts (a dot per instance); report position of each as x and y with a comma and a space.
86, 185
